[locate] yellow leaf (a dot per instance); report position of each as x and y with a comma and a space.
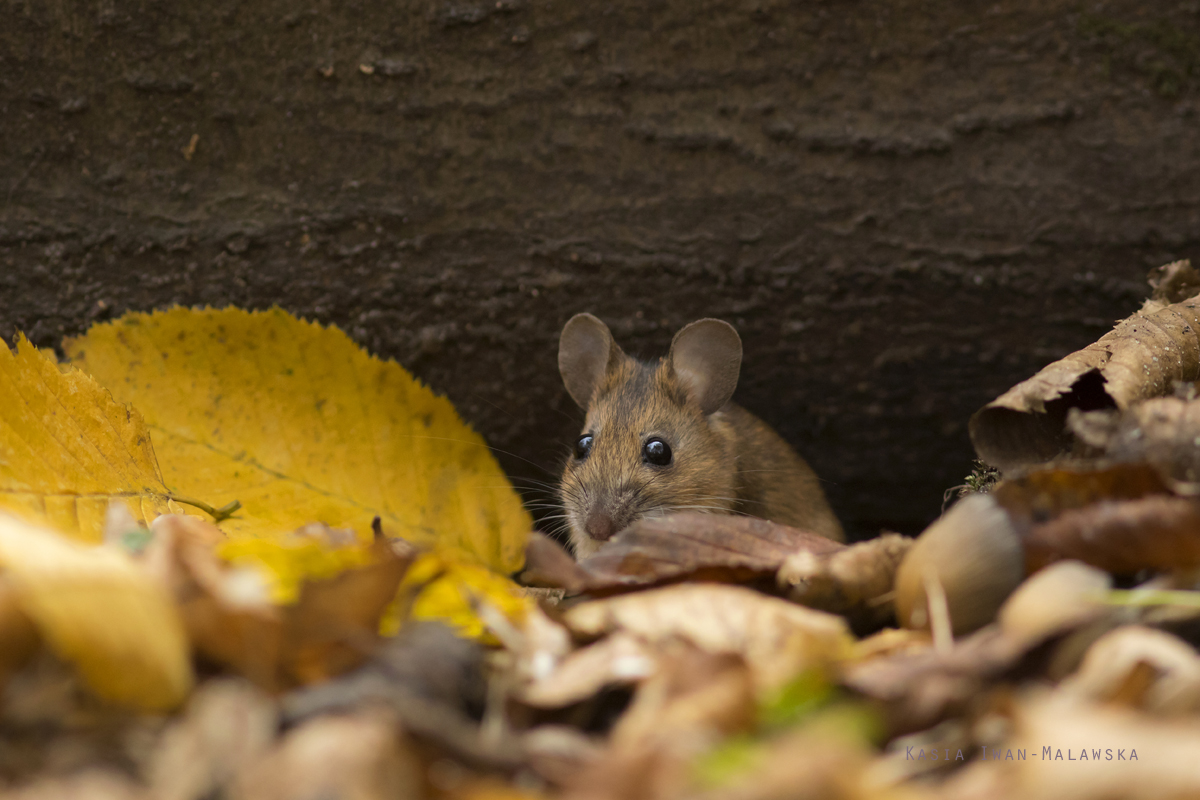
449, 591
300, 424
286, 563
67, 449
100, 611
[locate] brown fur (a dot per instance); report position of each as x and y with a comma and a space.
728, 461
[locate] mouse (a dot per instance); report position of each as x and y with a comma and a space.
664, 436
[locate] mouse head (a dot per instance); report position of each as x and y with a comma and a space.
652, 441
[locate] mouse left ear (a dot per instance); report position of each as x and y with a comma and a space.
707, 357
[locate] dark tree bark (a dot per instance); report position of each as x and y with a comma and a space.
905, 207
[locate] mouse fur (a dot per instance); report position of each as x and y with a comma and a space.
723, 459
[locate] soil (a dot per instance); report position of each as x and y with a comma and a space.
905, 207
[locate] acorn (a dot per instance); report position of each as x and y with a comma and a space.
969, 560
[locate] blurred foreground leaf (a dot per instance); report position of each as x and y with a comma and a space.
100, 611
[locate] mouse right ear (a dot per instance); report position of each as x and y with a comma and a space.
586, 350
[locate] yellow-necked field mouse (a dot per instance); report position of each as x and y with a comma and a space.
663, 436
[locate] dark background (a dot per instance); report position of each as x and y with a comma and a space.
905, 207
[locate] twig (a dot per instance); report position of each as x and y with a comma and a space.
218, 514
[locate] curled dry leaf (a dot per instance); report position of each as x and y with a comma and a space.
1062, 596
1142, 357
690, 545
101, 612
776, 638
616, 659
1162, 431
1140, 667
920, 687
300, 424
362, 756
858, 579
67, 449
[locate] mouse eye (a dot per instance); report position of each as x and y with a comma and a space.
583, 446
657, 452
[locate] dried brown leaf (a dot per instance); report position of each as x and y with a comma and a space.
1110, 736
858, 579
1142, 357
1140, 667
693, 701
921, 687
548, 564
693, 546
776, 638
617, 659
1062, 596
1162, 431
1159, 533
1041, 494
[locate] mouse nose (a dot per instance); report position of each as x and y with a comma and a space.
600, 526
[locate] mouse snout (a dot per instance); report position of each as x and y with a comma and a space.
600, 525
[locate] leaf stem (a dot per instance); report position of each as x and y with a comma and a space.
218, 514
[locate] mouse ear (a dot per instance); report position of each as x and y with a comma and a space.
586, 351
707, 357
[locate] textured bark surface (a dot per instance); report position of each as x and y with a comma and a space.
905, 207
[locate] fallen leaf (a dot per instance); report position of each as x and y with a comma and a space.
448, 591
1140, 667
330, 625
363, 756
777, 639
1062, 596
227, 725
1162, 431
692, 701
67, 449
432, 680
300, 424
857, 580
549, 565
1159, 533
702, 547
1041, 494
95, 784
920, 687
1142, 357
1109, 736
101, 612
617, 659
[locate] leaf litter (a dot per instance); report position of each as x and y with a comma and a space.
240, 558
